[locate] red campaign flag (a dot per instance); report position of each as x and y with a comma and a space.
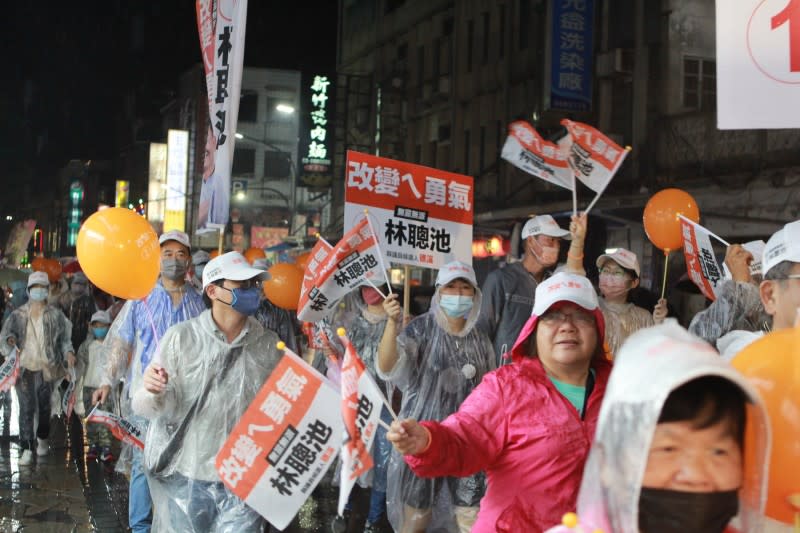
9, 372
525, 149
701, 264
362, 402
316, 258
593, 157
351, 263
121, 429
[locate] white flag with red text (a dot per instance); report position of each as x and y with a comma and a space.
362, 402
701, 263
593, 157
349, 264
120, 428
525, 149
9, 372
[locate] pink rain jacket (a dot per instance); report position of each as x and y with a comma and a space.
528, 438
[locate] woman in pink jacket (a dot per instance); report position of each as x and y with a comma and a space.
528, 425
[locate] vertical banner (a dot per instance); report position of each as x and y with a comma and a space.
221, 25
17, 243
122, 190
316, 133
157, 187
701, 264
177, 174
422, 215
284, 443
571, 55
758, 64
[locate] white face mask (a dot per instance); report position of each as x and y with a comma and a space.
38, 294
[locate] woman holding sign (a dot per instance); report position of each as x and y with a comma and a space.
437, 360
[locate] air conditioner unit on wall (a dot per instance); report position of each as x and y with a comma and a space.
615, 62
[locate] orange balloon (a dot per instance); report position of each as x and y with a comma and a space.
301, 261
251, 254
50, 266
773, 367
283, 287
214, 253
661, 222
119, 253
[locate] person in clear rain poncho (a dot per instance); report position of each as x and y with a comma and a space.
743, 311
130, 345
42, 334
529, 424
365, 324
619, 273
668, 453
208, 372
436, 361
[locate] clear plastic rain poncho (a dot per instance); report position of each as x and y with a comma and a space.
56, 332
365, 330
436, 370
737, 307
664, 358
622, 320
210, 385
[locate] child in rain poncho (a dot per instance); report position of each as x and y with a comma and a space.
619, 273
91, 360
668, 451
437, 360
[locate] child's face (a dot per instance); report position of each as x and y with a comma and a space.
687, 459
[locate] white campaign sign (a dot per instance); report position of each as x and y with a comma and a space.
758, 64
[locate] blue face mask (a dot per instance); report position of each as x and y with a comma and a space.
100, 333
455, 306
244, 301
38, 294
198, 271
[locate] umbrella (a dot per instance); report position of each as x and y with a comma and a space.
10, 275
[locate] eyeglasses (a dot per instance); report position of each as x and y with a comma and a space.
553, 318
614, 273
248, 284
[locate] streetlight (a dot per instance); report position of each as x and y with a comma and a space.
284, 108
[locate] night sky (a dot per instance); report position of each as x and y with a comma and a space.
71, 67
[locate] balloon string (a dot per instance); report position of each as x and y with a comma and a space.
664, 281
157, 357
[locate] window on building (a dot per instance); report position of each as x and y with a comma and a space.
501, 14
447, 27
248, 106
500, 137
244, 161
437, 52
470, 39
699, 83
276, 165
402, 52
418, 154
486, 21
524, 23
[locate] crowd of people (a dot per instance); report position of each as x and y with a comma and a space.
535, 395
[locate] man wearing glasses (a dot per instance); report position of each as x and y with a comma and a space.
209, 371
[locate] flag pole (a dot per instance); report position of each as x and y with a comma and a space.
693, 223
574, 195
613, 173
380, 251
666, 266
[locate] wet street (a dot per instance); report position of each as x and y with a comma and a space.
64, 492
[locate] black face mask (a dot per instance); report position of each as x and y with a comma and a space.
672, 511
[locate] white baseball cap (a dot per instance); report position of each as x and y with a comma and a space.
561, 287
101, 316
622, 257
455, 270
38, 278
200, 257
784, 245
232, 266
175, 235
544, 225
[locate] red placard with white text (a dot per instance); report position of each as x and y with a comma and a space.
422, 215
701, 264
284, 443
